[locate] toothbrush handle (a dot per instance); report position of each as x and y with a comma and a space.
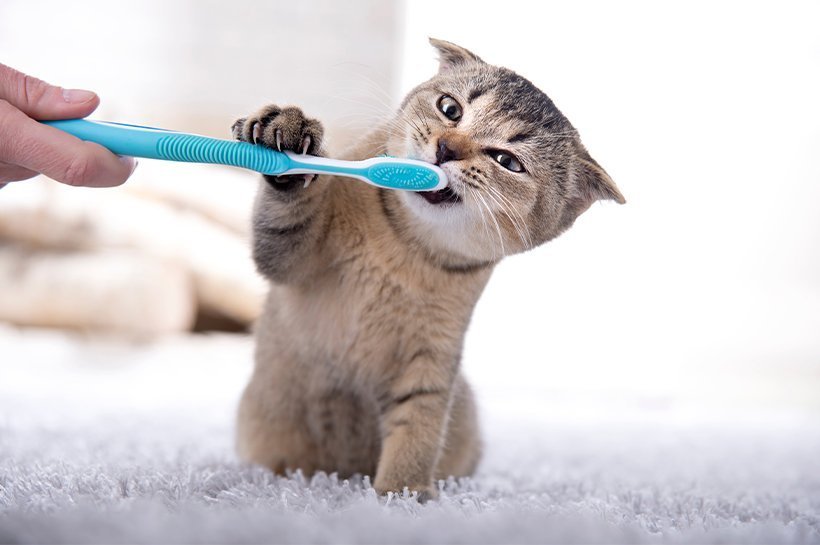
136, 141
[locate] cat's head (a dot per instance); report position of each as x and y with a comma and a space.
518, 173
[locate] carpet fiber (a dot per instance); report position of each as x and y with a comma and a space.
88, 464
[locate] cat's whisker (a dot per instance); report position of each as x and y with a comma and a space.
362, 119
495, 221
465, 180
420, 117
398, 123
509, 209
372, 87
375, 105
375, 87
505, 206
381, 109
367, 108
380, 149
393, 127
418, 129
473, 194
503, 209
365, 125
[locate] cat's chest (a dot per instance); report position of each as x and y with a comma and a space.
363, 312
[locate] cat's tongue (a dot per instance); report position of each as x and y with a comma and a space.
442, 196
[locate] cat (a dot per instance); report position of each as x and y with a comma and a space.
359, 345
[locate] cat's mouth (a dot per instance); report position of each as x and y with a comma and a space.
442, 197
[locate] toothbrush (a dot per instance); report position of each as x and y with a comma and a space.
137, 141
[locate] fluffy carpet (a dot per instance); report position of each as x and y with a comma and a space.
92, 454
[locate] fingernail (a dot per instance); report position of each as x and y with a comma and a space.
77, 96
130, 162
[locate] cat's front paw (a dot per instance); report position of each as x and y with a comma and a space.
423, 493
283, 129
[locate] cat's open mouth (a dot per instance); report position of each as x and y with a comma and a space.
442, 197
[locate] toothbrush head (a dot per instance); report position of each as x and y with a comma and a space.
406, 174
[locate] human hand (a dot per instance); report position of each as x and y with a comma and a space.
28, 148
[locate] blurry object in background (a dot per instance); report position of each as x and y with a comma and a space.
191, 66
166, 239
109, 291
201, 189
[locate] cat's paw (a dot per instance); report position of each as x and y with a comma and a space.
283, 129
423, 493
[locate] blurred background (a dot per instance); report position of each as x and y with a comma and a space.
698, 301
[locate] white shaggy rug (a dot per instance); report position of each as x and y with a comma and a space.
117, 443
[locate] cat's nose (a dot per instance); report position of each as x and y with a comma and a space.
446, 151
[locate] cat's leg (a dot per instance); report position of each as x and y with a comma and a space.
345, 427
293, 418
271, 428
414, 417
462, 443
290, 213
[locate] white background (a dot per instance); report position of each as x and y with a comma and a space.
700, 295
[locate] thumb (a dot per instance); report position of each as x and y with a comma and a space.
39, 100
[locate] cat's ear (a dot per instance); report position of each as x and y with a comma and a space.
451, 55
592, 183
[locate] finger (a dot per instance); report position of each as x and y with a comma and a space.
58, 155
14, 173
40, 100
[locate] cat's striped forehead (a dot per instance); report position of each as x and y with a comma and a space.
504, 93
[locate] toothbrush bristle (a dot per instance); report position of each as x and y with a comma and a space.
408, 177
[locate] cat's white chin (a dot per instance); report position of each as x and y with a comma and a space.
453, 228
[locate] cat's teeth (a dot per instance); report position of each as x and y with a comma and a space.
443, 197
308, 179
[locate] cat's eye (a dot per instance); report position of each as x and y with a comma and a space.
507, 161
449, 107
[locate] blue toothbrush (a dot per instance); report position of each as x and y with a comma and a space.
136, 141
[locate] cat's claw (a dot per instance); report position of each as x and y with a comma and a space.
256, 133
305, 147
278, 139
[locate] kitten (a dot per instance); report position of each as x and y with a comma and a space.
371, 291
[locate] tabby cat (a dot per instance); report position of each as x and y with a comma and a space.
371, 290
